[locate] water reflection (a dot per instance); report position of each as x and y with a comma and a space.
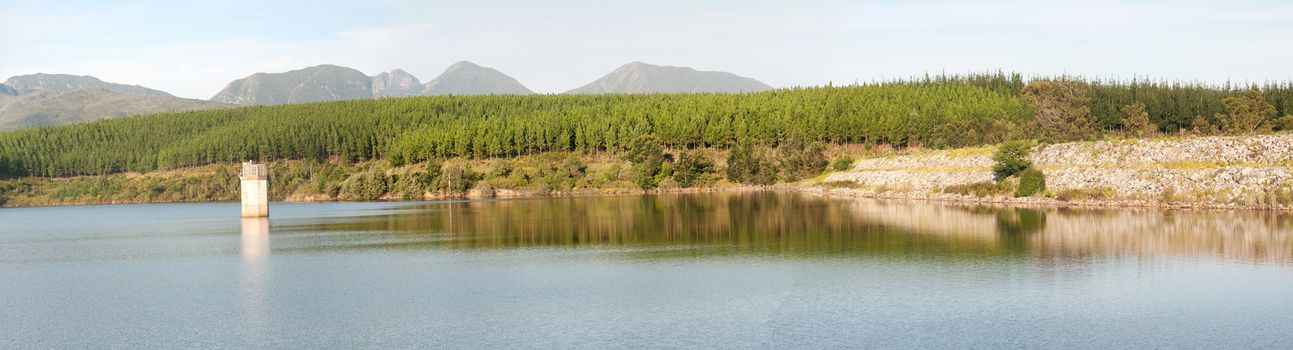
254, 275
255, 238
799, 224
1233, 235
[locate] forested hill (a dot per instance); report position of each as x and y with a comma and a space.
936, 112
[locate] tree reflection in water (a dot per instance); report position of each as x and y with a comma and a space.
793, 224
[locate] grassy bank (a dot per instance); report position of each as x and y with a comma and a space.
550, 174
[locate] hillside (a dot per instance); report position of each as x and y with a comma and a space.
638, 77
43, 108
420, 128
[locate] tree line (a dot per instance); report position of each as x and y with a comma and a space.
938, 111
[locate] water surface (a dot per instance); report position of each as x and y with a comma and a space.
752, 270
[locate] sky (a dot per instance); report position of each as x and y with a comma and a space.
193, 49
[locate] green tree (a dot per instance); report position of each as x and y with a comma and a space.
800, 160
747, 165
1031, 182
1245, 114
1135, 121
644, 172
691, 168
1011, 158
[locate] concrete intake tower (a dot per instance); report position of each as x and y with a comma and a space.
255, 190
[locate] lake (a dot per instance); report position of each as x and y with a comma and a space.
727, 270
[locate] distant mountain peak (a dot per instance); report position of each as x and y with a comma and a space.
63, 83
463, 65
323, 82
467, 78
639, 77
396, 83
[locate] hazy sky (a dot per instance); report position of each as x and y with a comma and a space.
193, 50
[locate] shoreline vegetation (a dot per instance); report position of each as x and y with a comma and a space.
986, 138
1097, 174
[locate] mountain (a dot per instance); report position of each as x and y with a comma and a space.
62, 83
396, 83
6, 90
45, 107
638, 77
319, 83
330, 82
466, 78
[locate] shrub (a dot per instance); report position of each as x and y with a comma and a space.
842, 163
1077, 194
800, 160
979, 189
563, 176
691, 168
644, 172
1284, 123
1031, 182
502, 168
458, 178
747, 166
1010, 158
429, 179
368, 185
643, 147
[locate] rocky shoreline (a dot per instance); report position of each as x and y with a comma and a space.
1227, 172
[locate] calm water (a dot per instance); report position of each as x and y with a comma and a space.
760, 270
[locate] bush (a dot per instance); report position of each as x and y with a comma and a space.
642, 148
564, 176
1284, 123
457, 178
691, 168
1011, 158
842, 163
368, 185
644, 172
800, 160
979, 189
1031, 182
745, 165
1077, 194
501, 169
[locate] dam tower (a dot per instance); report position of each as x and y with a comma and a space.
255, 190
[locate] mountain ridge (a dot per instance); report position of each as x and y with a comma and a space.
50, 99
466, 78
69, 83
639, 77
